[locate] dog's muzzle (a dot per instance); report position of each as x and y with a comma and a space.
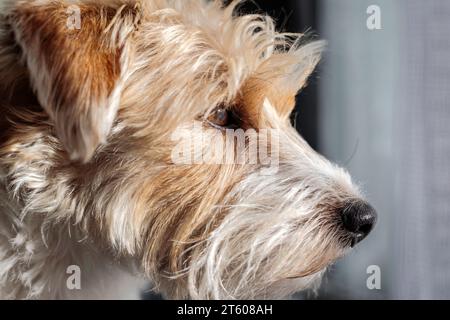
358, 218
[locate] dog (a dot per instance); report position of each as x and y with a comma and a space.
95, 97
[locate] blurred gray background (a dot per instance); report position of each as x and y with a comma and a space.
384, 101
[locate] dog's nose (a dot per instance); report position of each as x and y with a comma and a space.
359, 219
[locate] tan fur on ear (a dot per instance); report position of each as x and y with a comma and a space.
77, 74
285, 74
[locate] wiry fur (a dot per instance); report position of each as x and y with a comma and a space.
86, 172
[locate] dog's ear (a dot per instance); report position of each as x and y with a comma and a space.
288, 73
304, 60
75, 60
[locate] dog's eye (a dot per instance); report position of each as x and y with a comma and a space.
220, 117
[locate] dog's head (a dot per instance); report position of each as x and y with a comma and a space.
165, 126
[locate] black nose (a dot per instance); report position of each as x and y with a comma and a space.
358, 218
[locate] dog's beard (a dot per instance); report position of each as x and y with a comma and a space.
267, 245
272, 233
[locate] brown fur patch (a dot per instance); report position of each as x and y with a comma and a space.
255, 90
78, 69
